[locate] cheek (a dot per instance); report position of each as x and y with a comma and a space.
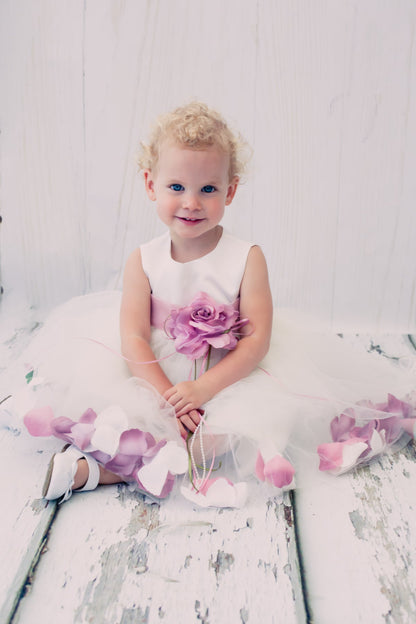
220, 207
165, 206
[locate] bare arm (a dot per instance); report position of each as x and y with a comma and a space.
135, 325
135, 335
256, 305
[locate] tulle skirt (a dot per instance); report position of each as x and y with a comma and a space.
311, 391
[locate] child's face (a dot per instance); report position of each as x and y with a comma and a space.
191, 188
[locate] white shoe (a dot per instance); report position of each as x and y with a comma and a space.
61, 472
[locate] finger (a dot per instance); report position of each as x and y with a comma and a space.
174, 399
195, 416
169, 392
181, 410
188, 423
184, 432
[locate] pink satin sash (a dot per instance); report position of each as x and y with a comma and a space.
160, 311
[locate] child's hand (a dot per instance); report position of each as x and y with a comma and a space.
186, 396
188, 422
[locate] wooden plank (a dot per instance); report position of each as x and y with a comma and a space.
112, 557
43, 230
25, 517
358, 543
375, 262
330, 80
117, 559
134, 54
357, 536
319, 89
301, 70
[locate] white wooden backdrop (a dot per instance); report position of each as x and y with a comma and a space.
324, 90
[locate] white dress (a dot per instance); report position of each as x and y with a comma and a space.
252, 428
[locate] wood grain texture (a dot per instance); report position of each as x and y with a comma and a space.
130, 561
357, 530
25, 521
111, 556
324, 91
25, 517
43, 194
358, 544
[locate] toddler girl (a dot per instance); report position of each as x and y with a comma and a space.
195, 394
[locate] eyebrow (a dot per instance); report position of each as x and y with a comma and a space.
207, 183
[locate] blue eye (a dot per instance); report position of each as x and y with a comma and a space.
208, 188
176, 187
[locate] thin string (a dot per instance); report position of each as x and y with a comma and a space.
303, 396
205, 474
200, 480
375, 412
122, 356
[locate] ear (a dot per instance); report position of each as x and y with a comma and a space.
232, 188
149, 184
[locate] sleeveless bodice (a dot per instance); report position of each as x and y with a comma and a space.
218, 273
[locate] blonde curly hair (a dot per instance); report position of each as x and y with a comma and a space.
195, 126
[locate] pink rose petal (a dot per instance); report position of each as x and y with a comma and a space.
260, 467
278, 471
340, 456
167, 488
38, 421
409, 425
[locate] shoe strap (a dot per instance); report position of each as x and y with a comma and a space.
93, 475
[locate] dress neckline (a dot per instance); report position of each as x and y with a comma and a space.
217, 246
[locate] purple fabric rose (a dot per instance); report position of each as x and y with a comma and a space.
203, 324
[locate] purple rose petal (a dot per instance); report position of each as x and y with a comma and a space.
61, 425
135, 442
341, 427
202, 324
88, 416
124, 465
392, 428
81, 433
101, 457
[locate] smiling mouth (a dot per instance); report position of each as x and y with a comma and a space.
188, 220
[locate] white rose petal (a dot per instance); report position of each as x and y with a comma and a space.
153, 477
106, 439
112, 416
221, 493
350, 454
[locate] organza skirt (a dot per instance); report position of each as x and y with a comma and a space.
312, 392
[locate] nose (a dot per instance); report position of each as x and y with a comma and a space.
191, 202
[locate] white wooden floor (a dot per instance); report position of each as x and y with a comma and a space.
336, 551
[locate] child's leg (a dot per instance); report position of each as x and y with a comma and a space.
81, 475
